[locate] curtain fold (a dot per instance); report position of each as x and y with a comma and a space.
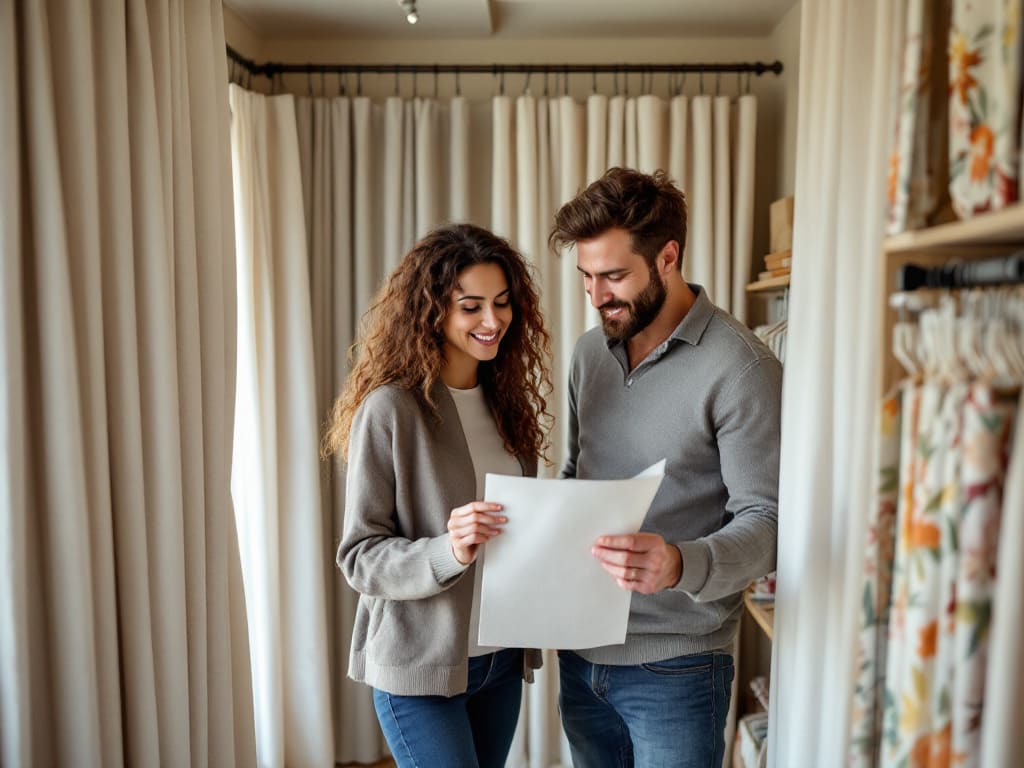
117, 357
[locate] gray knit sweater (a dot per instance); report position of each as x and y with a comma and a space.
405, 474
707, 400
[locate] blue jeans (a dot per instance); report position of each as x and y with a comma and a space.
667, 713
470, 729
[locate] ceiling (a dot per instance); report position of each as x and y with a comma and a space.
511, 19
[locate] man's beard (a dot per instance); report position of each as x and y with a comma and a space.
640, 312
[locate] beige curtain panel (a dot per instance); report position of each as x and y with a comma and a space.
122, 626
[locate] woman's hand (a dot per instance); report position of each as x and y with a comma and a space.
471, 525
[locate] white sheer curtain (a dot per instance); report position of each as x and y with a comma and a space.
275, 480
122, 636
848, 57
330, 194
548, 149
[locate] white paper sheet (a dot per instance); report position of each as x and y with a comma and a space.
541, 586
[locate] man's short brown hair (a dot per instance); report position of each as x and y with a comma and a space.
648, 206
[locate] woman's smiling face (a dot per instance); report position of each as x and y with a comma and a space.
479, 314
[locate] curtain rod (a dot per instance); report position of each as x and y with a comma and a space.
272, 68
1000, 270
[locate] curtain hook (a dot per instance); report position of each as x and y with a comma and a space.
359, 83
309, 82
546, 73
396, 79
526, 83
435, 81
702, 82
593, 80
718, 83
501, 82
565, 83
415, 85
341, 83
458, 81
323, 86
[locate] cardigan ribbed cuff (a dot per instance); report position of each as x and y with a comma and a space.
442, 560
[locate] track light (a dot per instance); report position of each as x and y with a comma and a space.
409, 7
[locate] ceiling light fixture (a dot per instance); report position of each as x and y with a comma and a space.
409, 7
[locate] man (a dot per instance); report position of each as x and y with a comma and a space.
669, 375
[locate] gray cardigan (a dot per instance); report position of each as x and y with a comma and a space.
406, 472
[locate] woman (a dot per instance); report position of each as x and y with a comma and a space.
449, 385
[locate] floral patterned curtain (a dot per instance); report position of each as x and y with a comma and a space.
931, 563
957, 136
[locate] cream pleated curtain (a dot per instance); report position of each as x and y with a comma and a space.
375, 176
849, 71
329, 194
122, 626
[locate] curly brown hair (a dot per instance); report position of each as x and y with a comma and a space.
403, 340
648, 206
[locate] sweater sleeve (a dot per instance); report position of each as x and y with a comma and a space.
748, 428
374, 556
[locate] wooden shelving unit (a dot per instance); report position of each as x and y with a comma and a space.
762, 612
990, 234
770, 284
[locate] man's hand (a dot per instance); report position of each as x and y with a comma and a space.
640, 562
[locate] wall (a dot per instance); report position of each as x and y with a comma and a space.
786, 42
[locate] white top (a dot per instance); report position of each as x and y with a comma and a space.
489, 455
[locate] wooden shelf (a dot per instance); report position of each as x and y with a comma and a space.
763, 612
999, 228
770, 284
